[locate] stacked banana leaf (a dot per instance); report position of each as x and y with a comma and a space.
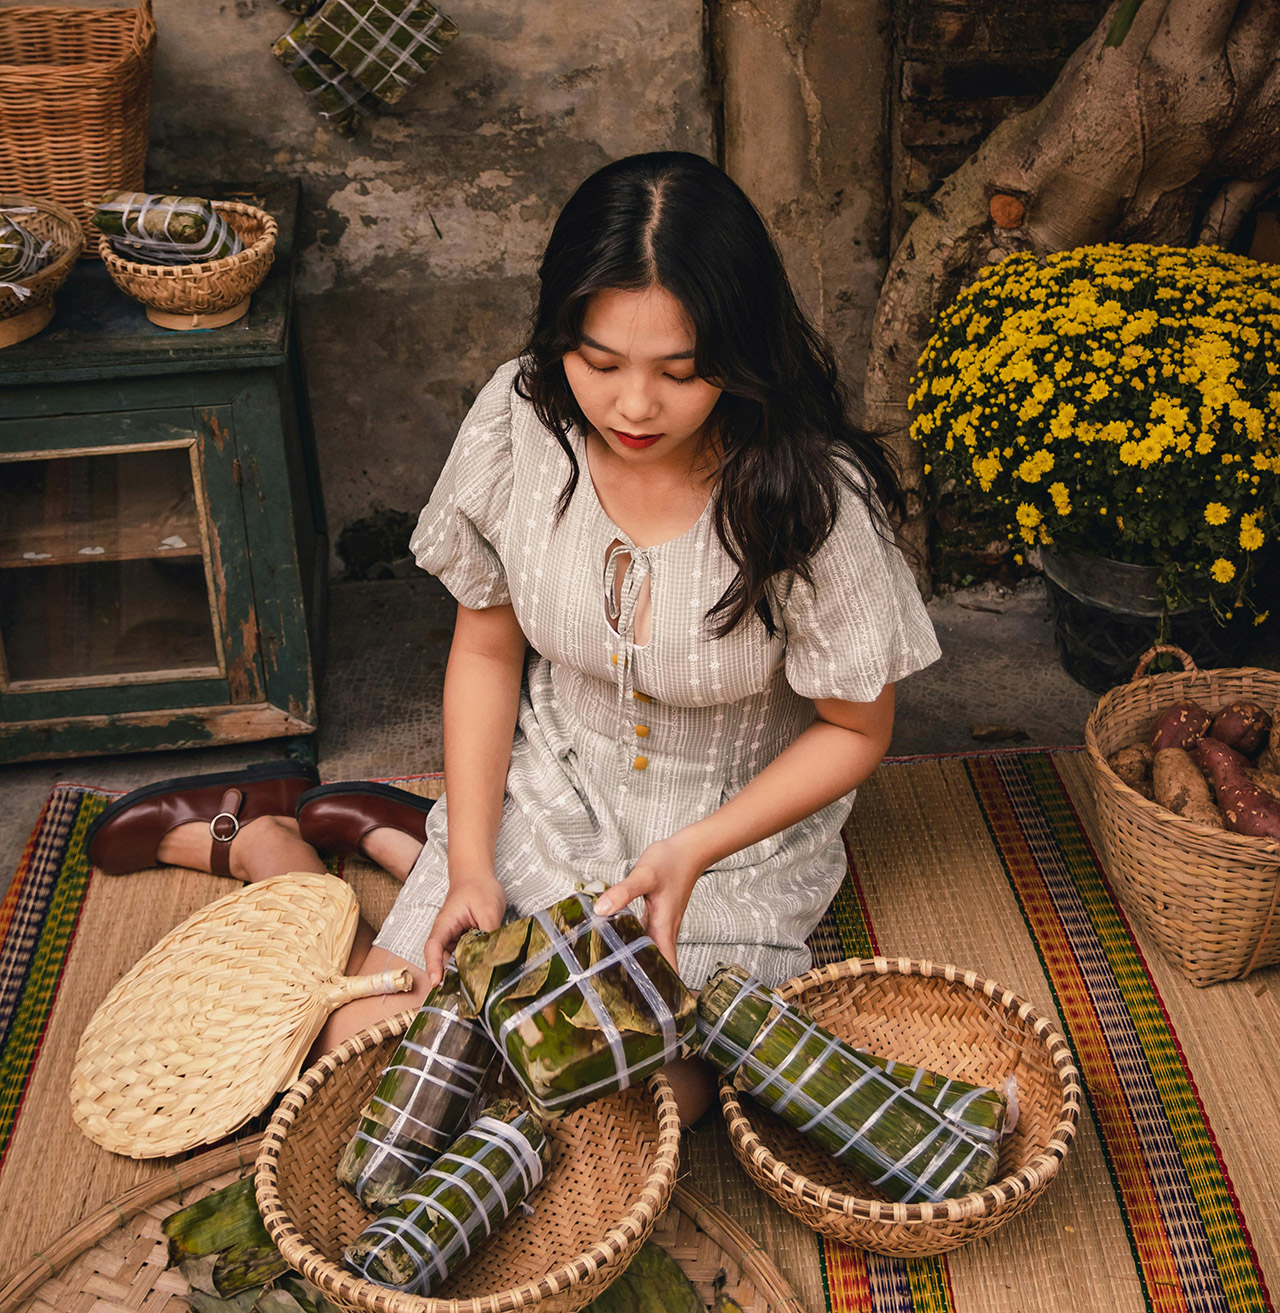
337, 96
166, 230
914, 1134
386, 45
488, 1171
422, 1099
22, 253
579, 1005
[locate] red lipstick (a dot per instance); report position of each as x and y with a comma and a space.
636, 441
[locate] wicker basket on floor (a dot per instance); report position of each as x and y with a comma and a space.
212, 292
22, 316
1207, 897
75, 91
613, 1168
952, 1022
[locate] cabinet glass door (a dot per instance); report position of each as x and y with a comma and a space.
104, 571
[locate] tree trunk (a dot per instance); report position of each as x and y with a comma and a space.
1169, 137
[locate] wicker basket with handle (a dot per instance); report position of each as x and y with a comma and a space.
613, 1168
200, 295
1207, 897
955, 1023
75, 92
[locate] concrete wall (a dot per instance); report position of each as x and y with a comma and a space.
401, 324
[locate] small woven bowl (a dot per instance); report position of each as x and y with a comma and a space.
200, 295
613, 1168
955, 1023
23, 316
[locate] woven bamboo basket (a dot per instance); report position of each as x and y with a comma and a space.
75, 91
955, 1023
1207, 897
23, 316
117, 1258
613, 1167
205, 295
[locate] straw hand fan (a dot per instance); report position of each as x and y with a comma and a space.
218, 1016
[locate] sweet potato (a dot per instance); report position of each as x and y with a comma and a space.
1266, 781
1133, 766
1182, 725
1246, 808
1243, 726
1181, 788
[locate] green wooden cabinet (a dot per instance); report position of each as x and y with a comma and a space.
163, 551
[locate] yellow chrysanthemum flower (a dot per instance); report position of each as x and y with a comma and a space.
1216, 513
1251, 537
1223, 571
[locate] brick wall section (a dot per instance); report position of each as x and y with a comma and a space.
961, 67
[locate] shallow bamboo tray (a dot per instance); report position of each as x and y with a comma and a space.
118, 1257
1207, 897
613, 1168
955, 1023
205, 295
22, 317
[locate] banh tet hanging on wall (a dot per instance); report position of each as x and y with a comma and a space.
422, 1099
337, 96
386, 45
915, 1135
166, 230
579, 1005
488, 1172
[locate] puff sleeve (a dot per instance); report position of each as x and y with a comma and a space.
862, 624
459, 534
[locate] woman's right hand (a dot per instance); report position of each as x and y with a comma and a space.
474, 902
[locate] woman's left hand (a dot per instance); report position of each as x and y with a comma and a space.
664, 875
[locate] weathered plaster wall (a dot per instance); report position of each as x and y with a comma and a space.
419, 236
804, 86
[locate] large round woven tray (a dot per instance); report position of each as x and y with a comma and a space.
955, 1023
613, 1167
118, 1258
22, 316
211, 289
1207, 897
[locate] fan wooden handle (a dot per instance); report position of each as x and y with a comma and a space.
344, 989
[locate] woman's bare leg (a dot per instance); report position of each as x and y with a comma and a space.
393, 850
270, 845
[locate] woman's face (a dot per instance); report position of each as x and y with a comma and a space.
633, 377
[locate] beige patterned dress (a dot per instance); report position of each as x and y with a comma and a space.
620, 743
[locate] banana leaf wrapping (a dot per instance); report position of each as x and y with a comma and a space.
421, 1101
489, 1170
579, 1005
22, 253
916, 1135
165, 229
386, 45
337, 96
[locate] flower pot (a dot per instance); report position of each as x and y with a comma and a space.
1107, 613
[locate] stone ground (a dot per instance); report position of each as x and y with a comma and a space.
380, 702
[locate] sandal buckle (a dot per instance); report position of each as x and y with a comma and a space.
224, 838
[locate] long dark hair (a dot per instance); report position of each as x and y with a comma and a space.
674, 220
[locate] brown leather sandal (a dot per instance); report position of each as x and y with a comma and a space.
127, 836
336, 817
